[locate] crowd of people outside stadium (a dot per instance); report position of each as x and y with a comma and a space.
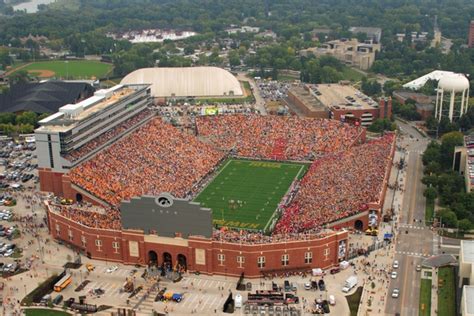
256, 136
155, 158
272, 90
90, 217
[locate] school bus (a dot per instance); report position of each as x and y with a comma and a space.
61, 284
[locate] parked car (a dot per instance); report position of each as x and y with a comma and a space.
334, 270
307, 286
418, 267
111, 269
394, 275
395, 293
321, 285
395, 264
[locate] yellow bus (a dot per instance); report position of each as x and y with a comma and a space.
61, 284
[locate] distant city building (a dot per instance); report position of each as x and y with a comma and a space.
464, 164
43, 97
424, 103
338, 101
470, 39
373, 33
151, 35
243, 29
416, 36
452, 97
350, 52
466, 277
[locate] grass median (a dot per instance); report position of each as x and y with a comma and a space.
425, 298
429, 209
447, 292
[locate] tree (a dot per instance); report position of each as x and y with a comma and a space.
20, 76
448, 218
28, 117
448, 142
234, 58
371, 87
465, 225
7, 118
432, 153
430, 193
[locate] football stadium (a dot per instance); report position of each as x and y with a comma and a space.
231, 194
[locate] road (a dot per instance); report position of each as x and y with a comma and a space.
415, 240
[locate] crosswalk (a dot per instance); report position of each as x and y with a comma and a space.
413, 226
414, 254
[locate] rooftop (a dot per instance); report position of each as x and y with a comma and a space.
340, 96
467, 247
70, 115
468, 293
309, 99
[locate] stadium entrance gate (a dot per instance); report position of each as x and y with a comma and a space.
182, 262
152, 258
358, 225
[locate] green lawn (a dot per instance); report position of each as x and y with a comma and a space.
447, 292
425, 297
350, 74
260, 185
354, 300
429, 210
72, 69
45, 312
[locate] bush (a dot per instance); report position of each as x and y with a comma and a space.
44, 288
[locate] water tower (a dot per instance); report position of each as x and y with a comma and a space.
452, 96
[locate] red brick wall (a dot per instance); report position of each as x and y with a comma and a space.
272, 252
357, 113
50, 181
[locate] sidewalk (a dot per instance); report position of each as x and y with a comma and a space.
434, 292
376, 276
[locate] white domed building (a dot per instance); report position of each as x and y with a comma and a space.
452, 97
186, 82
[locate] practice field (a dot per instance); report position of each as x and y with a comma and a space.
245, 193
71, 69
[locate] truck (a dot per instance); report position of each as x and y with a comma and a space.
349, 284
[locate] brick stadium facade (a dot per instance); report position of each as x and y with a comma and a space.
200, 254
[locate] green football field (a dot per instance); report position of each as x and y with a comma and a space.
258, 185
71, 69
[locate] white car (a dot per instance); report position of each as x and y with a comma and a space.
8, 253
111, 269
394, 275
307, 286
395, 293
395, 264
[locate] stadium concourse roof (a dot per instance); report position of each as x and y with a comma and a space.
186, 81
420, 82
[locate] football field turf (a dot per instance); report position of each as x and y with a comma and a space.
258, 185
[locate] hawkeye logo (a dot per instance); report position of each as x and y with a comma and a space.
164, 200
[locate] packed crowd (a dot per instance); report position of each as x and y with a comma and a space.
153, 159
272, 90
108, 219
338, 186
258, 136
105, 137
252, 237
